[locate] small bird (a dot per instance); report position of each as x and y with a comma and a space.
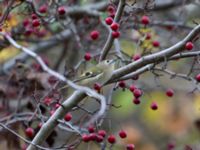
100, 74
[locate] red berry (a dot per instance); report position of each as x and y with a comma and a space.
111, 9
61, 10
148, 36
114, 26
112, 15
132, 88
68, 117
94, 35
29, 132
28, 32
189, 46
169, 92
137, 93
97, 87
111, 139
26, 22
34, 16
170, 27
115, 34
109, 20
130, 147
156, 43
24, 147
57, 106
145, 20
122, 84
43, 9
198, 77
171, 146
35, 23
47, 100
136, 77
40, 125
92, 136
87, 56
99, 138
52, 80
85, 138
136, 57
154, 106
91, 129
122, 134
102, 133
136, 101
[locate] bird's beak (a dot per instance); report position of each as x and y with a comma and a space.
113, 61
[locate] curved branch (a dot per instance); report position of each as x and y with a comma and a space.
156, 57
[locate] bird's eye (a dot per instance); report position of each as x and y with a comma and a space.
108, 61
88, 73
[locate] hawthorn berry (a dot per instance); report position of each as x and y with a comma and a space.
47, 100
35, 23
109, 20
97, 87
189, 46
111, 139
130, 147
92, 136
85, 138
135, 77
34, 16
40, 125
111, 9
122, 84
112, 15
52, 80
137, 93
198, 77
68, 117
91, 129
99, 138
102, 133
148, 36
28, 32
169, 92
114, 26
61, 10
115, 34
156, 43
132, 88
154, 106
136, 57
94, 35
136, 101
122, 134
29, 132
170, 146
145, 20
87, 56
26, 22
24, 147
57, 106
43, 9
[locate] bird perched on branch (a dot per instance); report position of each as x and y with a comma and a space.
100, 74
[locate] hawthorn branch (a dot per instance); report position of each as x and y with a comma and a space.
110, 39
156, 57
